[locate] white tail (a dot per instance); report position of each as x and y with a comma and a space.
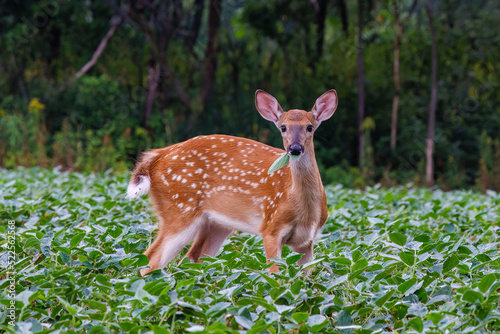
208, 186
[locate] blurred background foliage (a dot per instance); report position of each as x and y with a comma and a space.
163, 71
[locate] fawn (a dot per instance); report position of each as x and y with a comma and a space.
206, 187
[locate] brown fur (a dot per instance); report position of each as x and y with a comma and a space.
208, 186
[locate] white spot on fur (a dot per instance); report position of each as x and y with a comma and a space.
165, 182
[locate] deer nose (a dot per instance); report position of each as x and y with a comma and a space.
296, 149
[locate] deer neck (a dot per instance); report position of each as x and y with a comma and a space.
306, 180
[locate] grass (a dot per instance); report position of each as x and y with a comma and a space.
404, 260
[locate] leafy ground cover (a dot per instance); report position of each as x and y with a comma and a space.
404, 260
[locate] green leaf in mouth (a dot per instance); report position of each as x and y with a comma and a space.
282, 161
279, 163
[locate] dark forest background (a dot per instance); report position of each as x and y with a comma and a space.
88, 85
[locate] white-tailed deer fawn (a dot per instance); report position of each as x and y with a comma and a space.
208, 186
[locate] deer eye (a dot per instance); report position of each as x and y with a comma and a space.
309, 128
283, 128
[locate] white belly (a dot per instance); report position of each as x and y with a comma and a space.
250, 225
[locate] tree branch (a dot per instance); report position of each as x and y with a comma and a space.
115, 22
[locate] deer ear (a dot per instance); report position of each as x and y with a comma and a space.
268, 106
325, 106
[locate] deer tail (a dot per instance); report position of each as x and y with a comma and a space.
140, 182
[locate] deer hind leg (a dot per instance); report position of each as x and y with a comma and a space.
169, 242
307, 250
208, 241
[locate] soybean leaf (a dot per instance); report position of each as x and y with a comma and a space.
398, 238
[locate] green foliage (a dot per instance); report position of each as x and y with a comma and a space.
399, 259
95, 135
345, 175
276, 45
23, 136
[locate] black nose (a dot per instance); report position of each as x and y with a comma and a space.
296, 149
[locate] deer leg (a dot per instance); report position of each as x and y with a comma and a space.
272, 246
169, 243
208, 241
307, 250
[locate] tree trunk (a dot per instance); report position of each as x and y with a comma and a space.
156, 57
361, 86
195, 27
158, 27
397, 81
395, 99
152, 87
343, 15
210, 66
429, 170
320, 28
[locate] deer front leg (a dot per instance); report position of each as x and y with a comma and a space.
272, 246
307, 250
